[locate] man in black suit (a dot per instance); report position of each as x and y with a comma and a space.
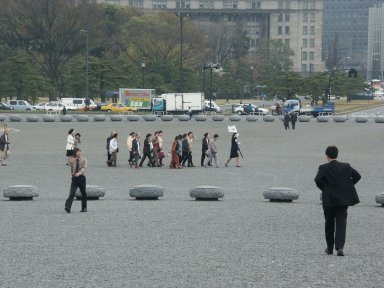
337, 182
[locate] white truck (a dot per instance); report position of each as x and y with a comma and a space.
179, 103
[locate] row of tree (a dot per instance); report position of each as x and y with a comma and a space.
43, 50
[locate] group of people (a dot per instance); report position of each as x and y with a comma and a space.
290, 118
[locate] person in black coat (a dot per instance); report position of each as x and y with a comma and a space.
293, 119
286, 119
204, 148
234, 150
337, 182
147, 150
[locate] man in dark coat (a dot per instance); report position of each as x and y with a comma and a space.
204, 148
286, 119
293, 119
337, 182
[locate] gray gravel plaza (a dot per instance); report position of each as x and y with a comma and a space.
242, 240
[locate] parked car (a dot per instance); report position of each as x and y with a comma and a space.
41, 106
4, 106
20, 105
99, 105
54, 106
116, 107
241, 109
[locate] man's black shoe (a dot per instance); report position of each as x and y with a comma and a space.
83, 210
340, 252
67, 209
328, 252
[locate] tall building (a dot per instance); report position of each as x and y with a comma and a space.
345, 33
298, 23
375, 58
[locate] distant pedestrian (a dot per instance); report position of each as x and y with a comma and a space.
337, 182
129, 145
64, 110
190, 139
107, 147
234, 150
77, 141
293, 119
113, 150
69, 147
184, 149
161, 151
147, 150
78, 168
175, 161
135, 150
286, 119
155, 150
4, 147
204, 147
212, 152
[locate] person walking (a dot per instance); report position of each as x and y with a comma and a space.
155, 150
175, 161
107, 147
77, 141
147, 149
286, 119
113, 150
212, 151
4, 147
161, 151
184, 149
78, 167
129, 145
293, 119
69, 147
337, 182
234, 150
135, 149
190, 139
204, 148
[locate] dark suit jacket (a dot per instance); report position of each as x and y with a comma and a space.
205, 145
337, 182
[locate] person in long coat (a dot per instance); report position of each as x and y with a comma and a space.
234, 150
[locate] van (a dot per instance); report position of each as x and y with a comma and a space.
77, 103
20, 105
211, 106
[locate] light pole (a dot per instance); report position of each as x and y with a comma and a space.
211, 66
86, 67
251, 82
181, 16
143, 72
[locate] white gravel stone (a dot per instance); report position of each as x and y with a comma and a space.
322, 119
93, 192
32, 118
49, 118
167, 117
149, 117
234, 118
15, 118
82, 118
340, 119
206, 192
66, 118
283, 194
200, 117
251, 118
21, 192
133, 118
184, 118
218, 117
99, 118
379, 119
269, 118
380, 198
361, 119
304, 118
146, 192
116, 117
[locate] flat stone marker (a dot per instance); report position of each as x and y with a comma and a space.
268, 118
82, 118
146, 192
48, 118
32, 118
218, 117
20, 192
380, 199
65, 118
234, 118
99, 118
116, 117
379, 119
361, 119
2, 118
15, 118
149, 117
206, 192
251, 118
304, 118
93, 192
200, 117
340, 119
281, 194
133, 118
184, 118
167, 117
322, 119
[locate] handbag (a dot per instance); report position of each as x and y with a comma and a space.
161, 154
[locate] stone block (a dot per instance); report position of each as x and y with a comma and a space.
234, 118
200, 117
99, 118
149, 117
116, 118
322, 119
206, 192
82, 118
269, 118
133, 118
15, 118
304, 118
146, 192
93, 192
281, 194
66, 118
218, 117
251, 118
380, 198
378, 119
340, 119
32, 118
166, 118
21, 192
184, 118
361, 119
49, 118
2, 118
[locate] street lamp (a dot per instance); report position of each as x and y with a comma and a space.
86, 68
211, 66
181, 16
142, 75
250, 86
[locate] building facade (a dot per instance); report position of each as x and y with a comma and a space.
298, 23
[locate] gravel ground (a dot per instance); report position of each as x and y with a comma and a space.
241, 241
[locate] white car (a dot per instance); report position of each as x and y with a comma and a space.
249, 108
54, 106
41, 106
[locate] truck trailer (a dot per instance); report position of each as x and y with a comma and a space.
179, 103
